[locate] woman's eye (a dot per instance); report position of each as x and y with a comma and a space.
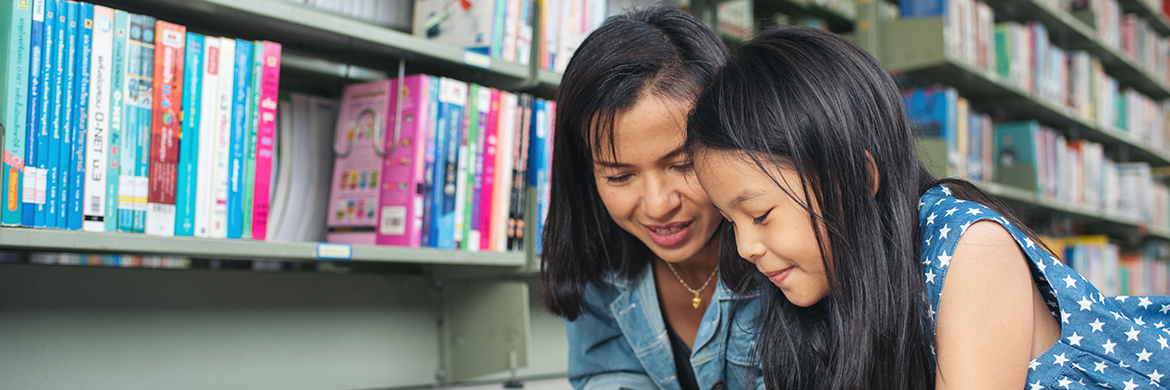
684, 167
760, 219
618, 179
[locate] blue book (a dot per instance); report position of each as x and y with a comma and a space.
452, 101
76, 161
243, 85
46, 111
427, 239
922, 8
35, 101
117, 118
59, 119
189, 138
15, 25
538, 161
138, 103
68, 114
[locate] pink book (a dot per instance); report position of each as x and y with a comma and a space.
265, 131
491, 145
376, 195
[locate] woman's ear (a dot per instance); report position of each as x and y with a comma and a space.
875, 177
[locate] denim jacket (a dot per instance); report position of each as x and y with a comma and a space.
620, 340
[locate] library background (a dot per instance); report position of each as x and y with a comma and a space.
344, 194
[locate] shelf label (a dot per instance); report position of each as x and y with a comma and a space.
478, 60
326, 251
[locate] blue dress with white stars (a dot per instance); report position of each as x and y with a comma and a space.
1105, 342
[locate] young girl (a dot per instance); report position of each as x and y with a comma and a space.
802, 143
630, 250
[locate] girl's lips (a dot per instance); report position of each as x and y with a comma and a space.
777, 277
669, 235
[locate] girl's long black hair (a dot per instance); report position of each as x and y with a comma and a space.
656, 52
824, 107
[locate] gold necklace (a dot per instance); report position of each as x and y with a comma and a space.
695, 302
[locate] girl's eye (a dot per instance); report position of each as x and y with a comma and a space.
618, 179
760, 219
684, 167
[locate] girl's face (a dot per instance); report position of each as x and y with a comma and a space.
772, 230
644, 183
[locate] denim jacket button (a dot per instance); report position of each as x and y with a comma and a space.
719, 386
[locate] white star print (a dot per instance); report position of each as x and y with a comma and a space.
1139, 321
1041, 266
1100, 366
1069, 282
1121, 298
1064, 316
944, 260
1105, 385
1065, 382
946, 190
928, 244
1097, 324
1116, 315
939, 202
1143, 355
1129, 385
1162, 342
930, 311
930, 219
920, 204
1165, 309
973, 211
1028, 241
1085, 304
942, 233
1074, 339
1122, 364
1033, 364
1078, 366
1133, 333
960, 201
1156, 376
1108, 346
952, 211
1159, 324
1144, 302
1060, 359
1035, 386
963, 227
930, 276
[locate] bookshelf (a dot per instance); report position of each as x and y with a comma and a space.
1147, 12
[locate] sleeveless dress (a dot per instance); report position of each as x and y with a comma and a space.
1105, 342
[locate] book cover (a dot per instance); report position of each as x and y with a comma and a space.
1015, 154
452, 100
15, 65
97, 132
75, 215
223, 139
428, 190
467, 24
251, 121
242, 84
400, 203
267, 91
465, 175
208, 125
487, 189
475, 171
116, 119
505, 160
166, 127
933, 113
189, 137
520, 176
33, 125
133, 186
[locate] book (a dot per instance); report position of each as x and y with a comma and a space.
284, 159
538, 166
467, 24
505, 161
133, 186
452, 100
45, 111
520, 175
188, 164
465, 174
76, 161
429, 166
117, 114
60, 111
208, 125
166, 127
933, 112
267, 90
251, 123
15, 30
223, 139
30, 176
242, 84
487, 200
1016, 154
97, 134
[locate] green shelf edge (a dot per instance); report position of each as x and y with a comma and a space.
122, 243
1156, 19
1027, 197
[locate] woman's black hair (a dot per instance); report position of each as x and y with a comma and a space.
655, 52
814, 102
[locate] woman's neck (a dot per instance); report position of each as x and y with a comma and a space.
700, 265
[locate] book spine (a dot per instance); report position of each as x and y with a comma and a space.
546, 120
189, 137
46, 111
165, 128
524, 33
208, 115
400, 199
15, 69
143, 126
453, 100
36, 86
487, 183
251, 133
265, 138
504, 162
57, 112
511, 29
116, 119
428, 189
243, 84
500, 9
81, 90
519, 177
61, 148
97, 139
471, 234
223, 139
138, 86
465, 176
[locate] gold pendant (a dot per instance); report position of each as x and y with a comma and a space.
697, 300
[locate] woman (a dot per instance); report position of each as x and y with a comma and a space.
630, 255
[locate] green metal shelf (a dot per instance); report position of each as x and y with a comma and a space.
337, 38
1070, 33
1028, 198
122, 243
1156, 19
838, 18
910, 48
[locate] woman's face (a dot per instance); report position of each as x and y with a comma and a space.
644, 183
772, 230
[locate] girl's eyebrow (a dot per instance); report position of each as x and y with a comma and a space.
747, 194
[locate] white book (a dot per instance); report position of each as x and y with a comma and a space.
300, 163
208, 121
223, 140
504, 159
283, 172
97, 139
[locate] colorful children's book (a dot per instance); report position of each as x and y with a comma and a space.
166, 127
97, 136
189, 138
29, 177
223, 138
505, 160
15, 28
117, 118
467, 24
133, 187
208, 126
487, 189
266, 90
75, 215
452, 100
242, 84
475, 171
